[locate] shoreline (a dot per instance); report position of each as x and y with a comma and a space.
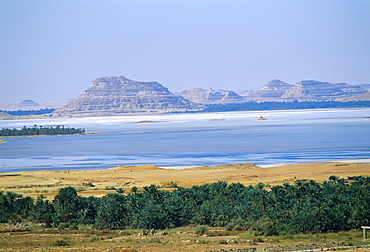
103, 114
180, 167
86, 133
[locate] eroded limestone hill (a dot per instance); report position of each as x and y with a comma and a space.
210, 96
118, 95
307, 90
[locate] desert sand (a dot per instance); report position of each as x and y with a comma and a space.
34, 183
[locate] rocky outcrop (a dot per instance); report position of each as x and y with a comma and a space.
362, 97
117, 95
210, 96
307, 90
232, 97
28, 103
310, 90
271, 91
201, 96
365, 86
5, 116
351, 90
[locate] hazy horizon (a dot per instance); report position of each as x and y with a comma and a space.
52, 50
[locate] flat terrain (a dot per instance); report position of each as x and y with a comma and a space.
35, 238
34, 183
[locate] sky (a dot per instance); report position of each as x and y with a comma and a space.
53, 49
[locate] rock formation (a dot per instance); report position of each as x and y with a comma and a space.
365, 86
210, 96
362, 97
117, 94
310, 90
232, 97
307, 90
5, 116
28, 103
271, 91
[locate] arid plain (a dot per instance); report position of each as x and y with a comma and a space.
96, 182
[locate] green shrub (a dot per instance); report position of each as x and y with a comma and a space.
88, 184
63, 225
73, 225
155, 240
238, 224
120, 190
61, 243
201, 230
94, 238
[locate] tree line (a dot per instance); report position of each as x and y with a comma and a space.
336, 204
40, 130
29, 112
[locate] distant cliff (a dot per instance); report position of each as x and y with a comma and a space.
210, 96
362, 97
271, 91
118, 95
307, 90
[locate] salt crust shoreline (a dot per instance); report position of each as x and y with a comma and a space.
86, 133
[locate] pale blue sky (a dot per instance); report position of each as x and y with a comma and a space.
52, 50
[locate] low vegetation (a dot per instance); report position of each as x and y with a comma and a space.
40, 130
30, 112
37, 238
336, 204
304, 215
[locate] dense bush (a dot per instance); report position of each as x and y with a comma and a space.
303, 207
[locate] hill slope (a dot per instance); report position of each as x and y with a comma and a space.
117, 94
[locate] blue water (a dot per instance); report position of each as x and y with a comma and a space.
186, 140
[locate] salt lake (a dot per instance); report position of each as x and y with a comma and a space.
194, 139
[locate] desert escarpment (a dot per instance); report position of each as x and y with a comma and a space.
307, 90
210, 96
280, 91
271, 91
361, 97
114, 95
117, 95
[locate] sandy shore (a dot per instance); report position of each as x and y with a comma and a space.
34, 183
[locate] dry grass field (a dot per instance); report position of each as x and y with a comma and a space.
37, 238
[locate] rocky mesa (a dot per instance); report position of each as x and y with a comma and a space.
307, 90
210, 96
119, 95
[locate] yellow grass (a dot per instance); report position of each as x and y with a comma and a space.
34, 183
